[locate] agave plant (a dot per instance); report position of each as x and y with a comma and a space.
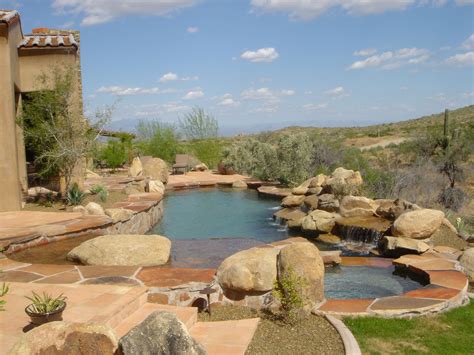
45, 303
74, 195
100, 190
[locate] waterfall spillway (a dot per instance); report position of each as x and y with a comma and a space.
362, 231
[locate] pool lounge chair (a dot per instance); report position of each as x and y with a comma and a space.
181, 163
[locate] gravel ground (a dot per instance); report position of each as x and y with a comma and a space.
310, 335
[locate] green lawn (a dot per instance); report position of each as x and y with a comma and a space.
447, 333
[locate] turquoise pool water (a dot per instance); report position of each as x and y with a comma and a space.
219, 213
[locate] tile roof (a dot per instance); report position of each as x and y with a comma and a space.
8, 16
53, 41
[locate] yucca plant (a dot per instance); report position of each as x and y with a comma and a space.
74, 195
100, 190
45, 303
3, 292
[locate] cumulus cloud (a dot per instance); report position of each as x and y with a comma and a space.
468, 43
309, 9
393, 59
258, 94
193, 94
461, 60
160, 109
192, 29
365, 52
337, 91
261, 55
130, 91
288, 92
174, 77
228, 101
95, 12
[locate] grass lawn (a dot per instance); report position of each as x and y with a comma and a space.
447, 333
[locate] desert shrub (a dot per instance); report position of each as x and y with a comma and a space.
288, 291
341, 190
3, 291
114, 154
101, 191
158, 139
208, 151
452, 198
294, 154
74, 195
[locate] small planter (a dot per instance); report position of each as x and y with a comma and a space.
41, 318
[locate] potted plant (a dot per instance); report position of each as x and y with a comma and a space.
45, 308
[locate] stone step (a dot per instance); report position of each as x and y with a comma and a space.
188, 315
225, 337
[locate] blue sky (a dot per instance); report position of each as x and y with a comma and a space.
265, 64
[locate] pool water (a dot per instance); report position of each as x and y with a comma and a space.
347, 282
220, 213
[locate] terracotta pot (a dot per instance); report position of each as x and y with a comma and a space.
41, 318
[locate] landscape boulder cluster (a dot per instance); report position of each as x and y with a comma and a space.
322, 204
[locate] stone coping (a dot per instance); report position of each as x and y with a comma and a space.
351, 346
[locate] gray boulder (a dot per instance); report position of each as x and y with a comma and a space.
160, 333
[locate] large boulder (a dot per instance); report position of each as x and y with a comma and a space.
156, 186
314, 190
119, 214
300, 190
348, 176
303, 261
160, 333
201, 167
94, 209
318, 181
123, 249
311, 202
288, 214
328, 202
419, 224
392, 209
40, 191
63, 338
293, 201
249, 270
319, 221
156, 169
467, 262
136, 168
357, 206
447, 235
395, 247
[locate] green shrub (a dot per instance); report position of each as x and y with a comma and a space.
288, 291
158, 139
74, 195
3, 291
114, 154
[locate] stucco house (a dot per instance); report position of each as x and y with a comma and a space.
22, 59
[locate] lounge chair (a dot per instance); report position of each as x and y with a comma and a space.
181, 163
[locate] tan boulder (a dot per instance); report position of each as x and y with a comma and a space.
239, 184
392, 209
287, 214
119, 214
249, 270
156, 186
328, 202
319, 221
274, 191
67, 338
136, 168
318, 181
329, 239
446, 236
79, 209
201, 167
300, 190
91, 175
331, 257
123, 249
314, 190
304, 261
94, 209
419, 224
395, 247
293, 201
355, 206
311, 202
467, 262
156, 169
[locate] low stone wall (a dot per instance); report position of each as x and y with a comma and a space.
140, 223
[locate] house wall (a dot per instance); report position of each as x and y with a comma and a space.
10, 185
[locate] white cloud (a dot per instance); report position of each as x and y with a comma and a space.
124, 91
174, 77
393, 59
192, 29
309, 9
228, 100
468, 43
261, 55
365, 52
461, 60
308, 92
464, 2
102, 11
160, 109
337, 91
193, 94
288, 92
312, 107
258, 94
